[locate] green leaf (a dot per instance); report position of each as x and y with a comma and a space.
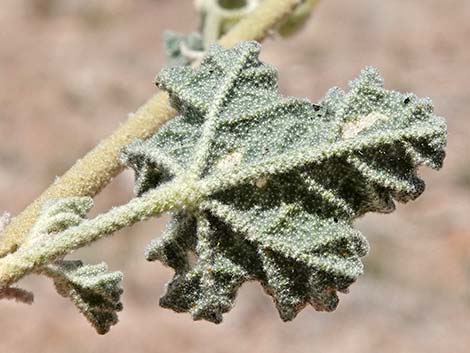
56, 216
94, 291
182, 49
281, 180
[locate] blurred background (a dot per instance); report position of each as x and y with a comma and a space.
71, 70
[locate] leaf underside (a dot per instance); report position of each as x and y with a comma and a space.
93, 290
286, 179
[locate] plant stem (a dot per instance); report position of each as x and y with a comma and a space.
94, 171
91, 173
258, 24
31, 257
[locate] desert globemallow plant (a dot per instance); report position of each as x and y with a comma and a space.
259, 187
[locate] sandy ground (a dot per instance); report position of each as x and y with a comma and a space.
70, 71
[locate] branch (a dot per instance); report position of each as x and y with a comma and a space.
41, 250
96, 169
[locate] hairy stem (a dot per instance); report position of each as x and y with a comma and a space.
91, 173
258, 24
33, 256
94, 171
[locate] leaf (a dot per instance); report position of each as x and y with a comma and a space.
56, 216
182, 49
94, 291
281, 180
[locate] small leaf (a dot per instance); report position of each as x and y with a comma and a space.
281, 180
182, 49
94, 291
56, 216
